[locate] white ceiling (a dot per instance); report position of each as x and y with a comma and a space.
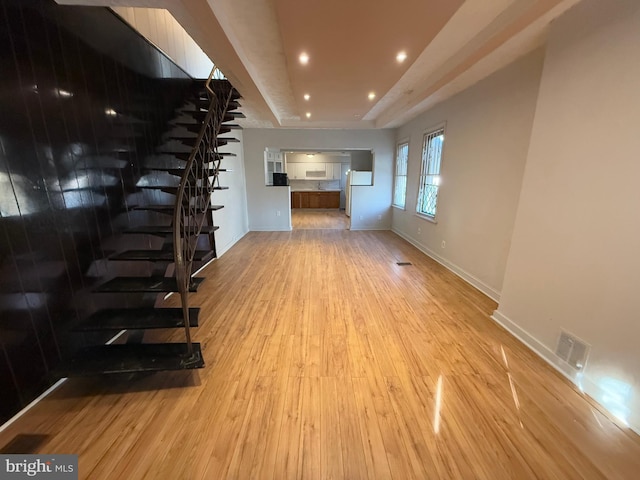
352, 47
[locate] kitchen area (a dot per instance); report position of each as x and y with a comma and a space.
322, 180
327, 189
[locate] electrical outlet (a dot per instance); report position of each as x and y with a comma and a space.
443, 244
379, 217
361, 217
419, 230
277, 213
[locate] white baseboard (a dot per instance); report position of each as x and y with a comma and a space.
583, 382
270, 229
466, 276
225, 248
49, 390
373, 228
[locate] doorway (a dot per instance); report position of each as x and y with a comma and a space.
320, 183
312, 219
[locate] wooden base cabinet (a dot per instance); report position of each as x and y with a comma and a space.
315, 199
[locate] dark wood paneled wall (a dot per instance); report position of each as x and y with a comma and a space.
83, 100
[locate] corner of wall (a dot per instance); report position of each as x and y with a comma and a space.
579, 379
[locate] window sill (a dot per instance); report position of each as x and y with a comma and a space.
403, 209
428, 218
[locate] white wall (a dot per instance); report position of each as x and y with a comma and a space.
232, 219
574, 260
361, 161
488, 127
372, 204
160, 28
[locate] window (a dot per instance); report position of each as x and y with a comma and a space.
400, 179
430, 174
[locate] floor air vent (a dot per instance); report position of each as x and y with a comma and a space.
403, 264
572, 350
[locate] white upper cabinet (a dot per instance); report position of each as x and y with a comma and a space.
336, 170
315, 171
273, 163
296, 171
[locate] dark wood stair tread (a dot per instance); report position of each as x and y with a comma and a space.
163, 230
173, 190
179, 172
220, 86
131, 358
195, 127
201, 115
202, 99
137, 318
155, 284
185, 155
191, 141
168, 209
159, 256
192, 127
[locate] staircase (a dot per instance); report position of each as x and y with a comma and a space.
184, 181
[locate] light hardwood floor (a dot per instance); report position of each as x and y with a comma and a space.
306, 218
325, 359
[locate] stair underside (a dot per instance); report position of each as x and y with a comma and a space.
153, 284
137, 318
159, 256
196, 127
201, 115
203, 101
131, 358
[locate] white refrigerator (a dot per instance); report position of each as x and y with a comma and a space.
355, 177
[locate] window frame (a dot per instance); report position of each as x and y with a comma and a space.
400, 144
424, 169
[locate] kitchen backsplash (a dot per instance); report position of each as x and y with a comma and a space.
315, 184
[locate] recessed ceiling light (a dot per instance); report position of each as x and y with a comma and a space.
304, 58
111, 112
401, 57
308, 114
372, 96
307, 97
